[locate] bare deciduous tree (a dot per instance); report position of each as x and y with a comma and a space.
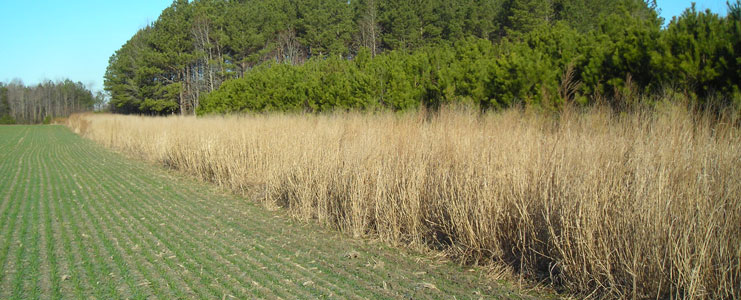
289, 48
369, 29
32, 104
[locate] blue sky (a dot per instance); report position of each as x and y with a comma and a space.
671, 8
55, 39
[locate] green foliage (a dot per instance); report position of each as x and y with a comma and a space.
7, 120
628, 52
310, 55
47, 120
325, 26
583, 15
526, 15
522, 75
4, 104
5, 113
630, 43
481, 18
395, 80
698, 53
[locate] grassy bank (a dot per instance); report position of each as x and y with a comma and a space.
644, 204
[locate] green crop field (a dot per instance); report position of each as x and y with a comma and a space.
78, 221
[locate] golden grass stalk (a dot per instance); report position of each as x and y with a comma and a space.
642, 205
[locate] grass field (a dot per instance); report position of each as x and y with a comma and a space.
644, 204
78, 221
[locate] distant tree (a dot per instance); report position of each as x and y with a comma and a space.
252, 32
5, 113
100, 101
583, 15
481, 18
4, 104
46, 100
325, 26
524, 16
402, 27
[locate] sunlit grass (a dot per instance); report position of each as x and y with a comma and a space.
79, 221
641, 204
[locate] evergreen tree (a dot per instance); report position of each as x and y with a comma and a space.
120, 77
402, 28
325, 26
167, 78
732, 24
419, 52
481, 18
583, 15
695, 45
524, 16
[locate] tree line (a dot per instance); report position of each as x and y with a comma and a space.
221, 56
45, 101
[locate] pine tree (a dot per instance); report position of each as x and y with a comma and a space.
402, 28
120, 76
325, 27
481, 18
525, 15
583, 15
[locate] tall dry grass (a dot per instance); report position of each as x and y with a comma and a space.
643, 205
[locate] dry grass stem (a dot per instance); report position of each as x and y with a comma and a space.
642, 205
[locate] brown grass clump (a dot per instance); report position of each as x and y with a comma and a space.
639, 205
